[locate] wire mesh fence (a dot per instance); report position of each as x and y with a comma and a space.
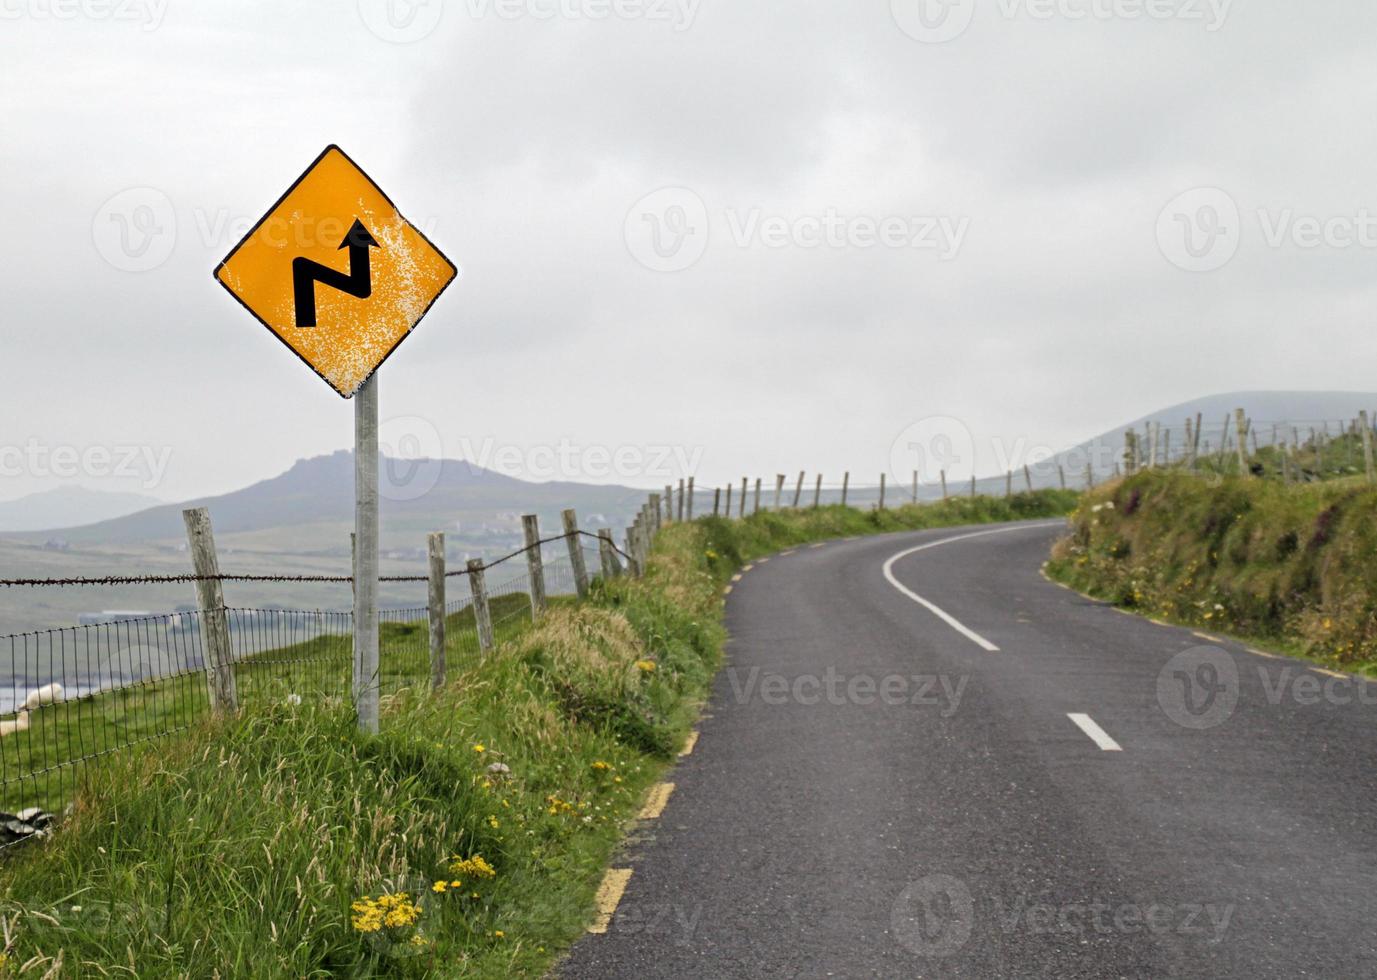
73, 696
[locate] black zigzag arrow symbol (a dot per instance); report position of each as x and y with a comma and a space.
357, 282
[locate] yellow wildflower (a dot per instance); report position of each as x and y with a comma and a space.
645, 666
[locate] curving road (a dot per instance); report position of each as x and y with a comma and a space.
925, 760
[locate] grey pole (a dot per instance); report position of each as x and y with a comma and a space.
366, 554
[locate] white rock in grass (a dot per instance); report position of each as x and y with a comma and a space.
19, 723
47, 694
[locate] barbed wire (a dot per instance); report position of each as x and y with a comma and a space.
191, 577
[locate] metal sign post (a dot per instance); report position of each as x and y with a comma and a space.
366, 554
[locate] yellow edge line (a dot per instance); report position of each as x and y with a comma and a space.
785, 554
747, 568
1329, 673
820, 544
689, 744
1206, 636
1263, 653
608, 898
727, 591
656, 800
736, 577
761, 561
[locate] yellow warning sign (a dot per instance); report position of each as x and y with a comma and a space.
336, 272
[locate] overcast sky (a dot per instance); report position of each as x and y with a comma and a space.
1038, 219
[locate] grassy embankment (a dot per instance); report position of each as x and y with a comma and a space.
239, 848
1291, 566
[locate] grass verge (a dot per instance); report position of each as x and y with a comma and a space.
284, 843
1285, 565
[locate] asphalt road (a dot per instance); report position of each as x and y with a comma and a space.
875, 793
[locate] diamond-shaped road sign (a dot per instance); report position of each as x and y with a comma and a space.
336, 272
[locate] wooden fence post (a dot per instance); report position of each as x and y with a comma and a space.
1195, 438
669, 503
535, 567
1008, 483
210, 597
817, 493
1365, 424
1028, 477
944, 484
655, 523
846, 484
756, 508
779, 490
882, 492
607, 555
716, 501
1061, 475
798, 488
633, 559
1130, 452
435, 553
681, 499
1154, 436
727, 510
741, 507
690, 498
972, 484
915, 486
1089, 476
1241, 422
575, 543
482, 613
1190, 444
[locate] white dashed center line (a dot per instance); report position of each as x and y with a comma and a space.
1097, 734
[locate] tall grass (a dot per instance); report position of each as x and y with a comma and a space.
241, 848
1292, 564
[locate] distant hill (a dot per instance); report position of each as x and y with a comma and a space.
69, 505
417, 495
298, 523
